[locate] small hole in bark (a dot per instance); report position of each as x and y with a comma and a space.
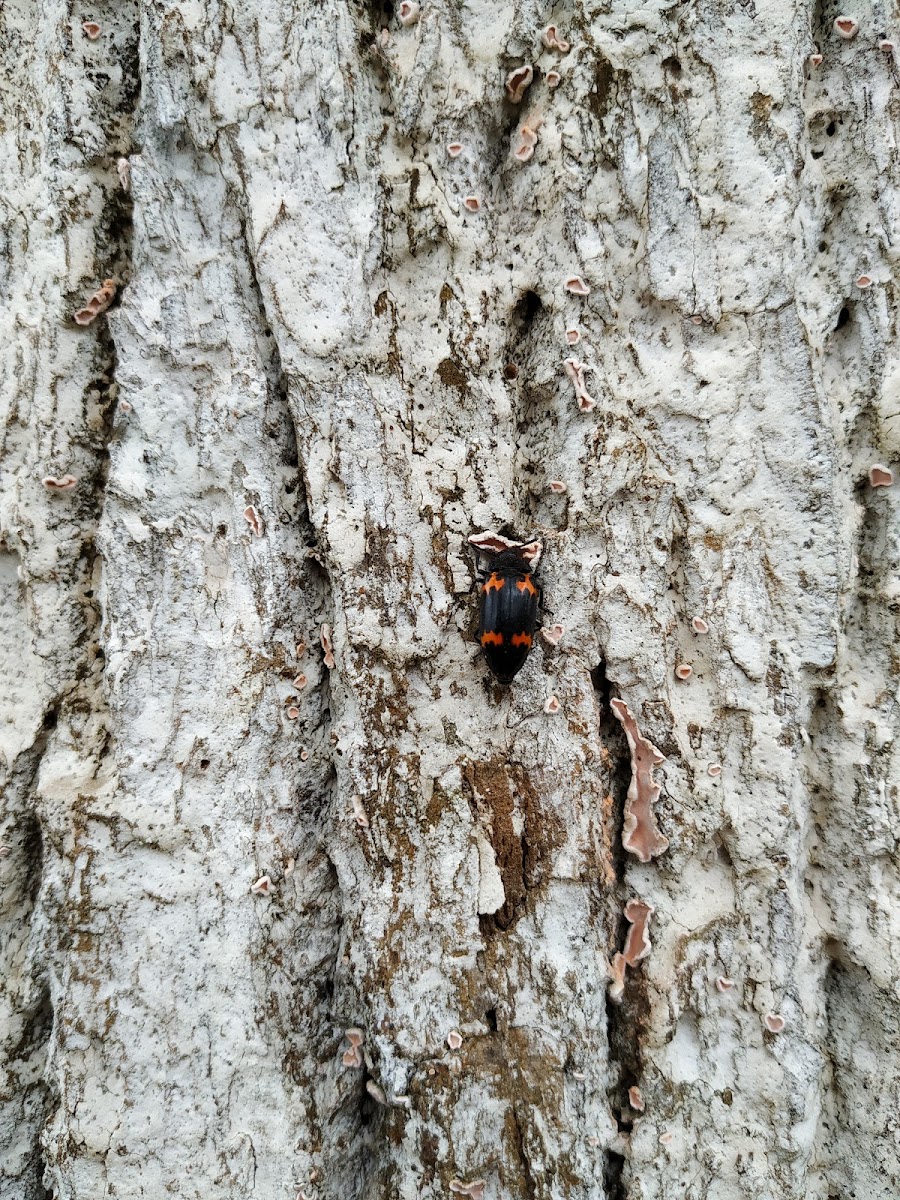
831, 129
843, 318
672, 65
204, 763
50, 720
490, 1019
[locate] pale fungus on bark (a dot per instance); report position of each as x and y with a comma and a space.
353, 1057
376, 1092
471, 203
98, 303
527, 140
300, 682
699, 625
557, 487
575, 371
573, 336
454, 149
724, 984
880, 475
327, 648
553, 41
863, 282
635, 1099
262, 887
553, 79
684, 671
774, 1022
359, 813
846, 27
495, 543
640, 833
64, 483
576, 285
408, 13
454, 1039
474, 1190
254, 520
517, 81
886, 45
292, 712
304, 755
714, 770
637, 945
91, 30
815, 60
551, 705
665, 1139
552, 634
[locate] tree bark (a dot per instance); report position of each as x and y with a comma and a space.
336, 351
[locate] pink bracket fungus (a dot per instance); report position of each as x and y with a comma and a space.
472, 203
98, 303
125, 406
699, 625
576, 285
518, 81
359, 813
327, 648
696, 319
65, 484
454, 1039
376, 1092
683, 671
254, 520
91, 30
474, 1190
527, 141
724, 984
640, 833
886, 45
408, 12
263, 886
553, 41
714, 770
496, 543
665, 1139
304, 755
635, 1099
879, 475
573, 336
551, 705
301, 649
575, 371
553, 78
292, 712
353, 1057
846, 27
300, 682
815, 60
123, 170
5, 851
637, 945
863, 282
774, 1022
553, 634
557, 487
454, 149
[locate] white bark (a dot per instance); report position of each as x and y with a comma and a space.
311, 323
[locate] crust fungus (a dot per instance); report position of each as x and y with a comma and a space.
474, 1190
292, 712
886, 45
91, 30
551, 705
573, 336
454, 1039
774, 1022
575, 371
325, 639
557, 486
262, 887
527, 141
517, 81
472, 203
98, 303
553, 78
640, 833
300, 682
65, 484
815, 60
301, 649
454, 149
714, 770
408, 12
635, 1099
847, 27
863, 281
553, 634
553, 41
683, 671
724, 984
353, 1057
637, 944
304, 755
576, 285
696, 319
254, 520
699, 625
879, 475
496, 543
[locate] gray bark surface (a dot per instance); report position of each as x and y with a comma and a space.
321, 373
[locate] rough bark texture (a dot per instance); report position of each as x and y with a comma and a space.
313, 325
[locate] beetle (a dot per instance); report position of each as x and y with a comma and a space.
508, 612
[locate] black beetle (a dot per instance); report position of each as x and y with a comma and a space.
508, 612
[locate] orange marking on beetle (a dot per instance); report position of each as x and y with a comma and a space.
495, 583
491, 638
521, 639
525, 585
